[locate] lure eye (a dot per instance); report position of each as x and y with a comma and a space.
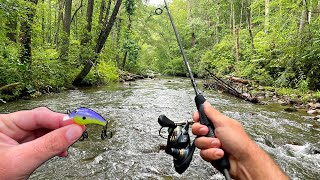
84, 118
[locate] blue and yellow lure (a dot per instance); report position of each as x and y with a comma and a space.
85, 116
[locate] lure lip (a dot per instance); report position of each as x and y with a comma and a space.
67, 120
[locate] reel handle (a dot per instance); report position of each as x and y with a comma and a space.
222, 163
166, 122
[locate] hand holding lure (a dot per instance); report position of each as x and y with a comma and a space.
85, 116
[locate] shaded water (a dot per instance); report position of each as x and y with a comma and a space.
133, 153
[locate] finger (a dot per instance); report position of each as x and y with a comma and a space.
199, 129
195, 116
42, 149
207, 142
214, 115
211, 154
4, 139
63, 154
37, 118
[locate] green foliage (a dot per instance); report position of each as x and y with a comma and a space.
105, 72
220, 59
130, 6
108, 71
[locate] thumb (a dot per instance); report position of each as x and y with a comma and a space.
36, 152
216, 117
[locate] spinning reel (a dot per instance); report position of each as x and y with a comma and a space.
178, 143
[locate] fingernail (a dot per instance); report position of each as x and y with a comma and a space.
203, 130
214, 142
73, 133
219, 153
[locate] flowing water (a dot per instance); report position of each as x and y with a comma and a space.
133, 151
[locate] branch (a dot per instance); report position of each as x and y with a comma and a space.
75, 13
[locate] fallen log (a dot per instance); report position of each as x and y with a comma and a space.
238, 80
225, 87
9, 87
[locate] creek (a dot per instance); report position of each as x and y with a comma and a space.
133, 152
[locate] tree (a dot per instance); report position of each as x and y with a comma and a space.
26, 34
104, 33
64, 48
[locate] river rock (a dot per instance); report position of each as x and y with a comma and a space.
283, 103
312, 111
294, 101
317, 105
310, 105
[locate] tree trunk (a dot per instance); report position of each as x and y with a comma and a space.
86, 38
127, 37
49, 22
66, 31
43, 27
102, 8
233, 18
26, 33
89, 15
124, 60
100, 43
266, 16
217, 39
304, 16
60, 16
249, 19
237, 44
241, 13
118, 26
309, 12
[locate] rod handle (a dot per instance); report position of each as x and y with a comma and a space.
222, 163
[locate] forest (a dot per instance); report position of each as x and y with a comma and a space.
51, 45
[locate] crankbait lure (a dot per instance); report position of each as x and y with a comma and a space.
85, 116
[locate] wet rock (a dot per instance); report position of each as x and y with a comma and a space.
269, 143
316, 125
162, 147
294, 101
312, 111
283, 103
317, 106
290, 109
310, 105
316, 151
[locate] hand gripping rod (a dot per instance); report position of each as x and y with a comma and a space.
223, 163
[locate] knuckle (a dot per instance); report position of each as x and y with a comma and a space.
219, 131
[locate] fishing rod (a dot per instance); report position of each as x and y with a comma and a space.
178, 133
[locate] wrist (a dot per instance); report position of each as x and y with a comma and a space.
257, 164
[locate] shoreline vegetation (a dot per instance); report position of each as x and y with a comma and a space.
292, 100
